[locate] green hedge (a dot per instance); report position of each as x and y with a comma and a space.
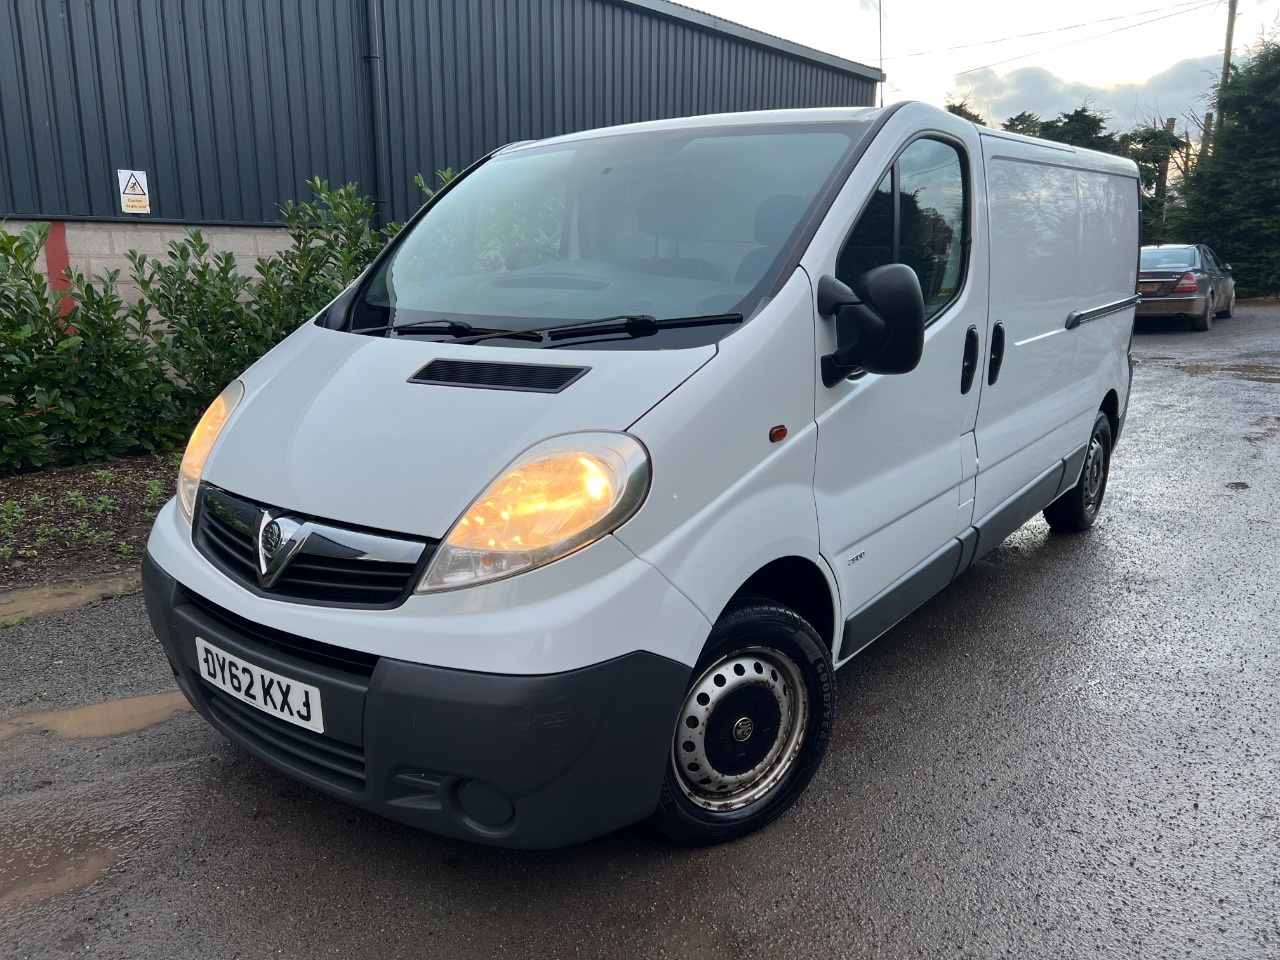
110, 378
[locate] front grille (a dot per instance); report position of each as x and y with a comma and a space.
313, 651
337, 764
224, 532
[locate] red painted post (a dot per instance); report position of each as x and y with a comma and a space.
58, 261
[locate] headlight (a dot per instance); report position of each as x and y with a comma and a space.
201, 442
558, 497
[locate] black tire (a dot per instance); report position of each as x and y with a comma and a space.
1202, 323
761, 655
1229, 310
1078, 508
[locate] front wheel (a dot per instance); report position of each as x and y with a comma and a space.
753, 726
1078, 508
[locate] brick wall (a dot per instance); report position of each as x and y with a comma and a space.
93, 247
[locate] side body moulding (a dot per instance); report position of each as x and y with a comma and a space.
891, 605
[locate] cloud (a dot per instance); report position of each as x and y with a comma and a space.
1172, 93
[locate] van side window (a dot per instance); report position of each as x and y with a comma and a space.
921, 223
870, 244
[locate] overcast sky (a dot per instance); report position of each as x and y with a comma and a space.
1161, 66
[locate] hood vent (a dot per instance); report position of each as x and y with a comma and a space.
486, 375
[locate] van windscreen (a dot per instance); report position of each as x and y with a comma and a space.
670, 223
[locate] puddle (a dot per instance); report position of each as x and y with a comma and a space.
100, 719
1257, 372
52, 857
54, 598
39, 883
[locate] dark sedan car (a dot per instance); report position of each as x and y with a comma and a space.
1185, 280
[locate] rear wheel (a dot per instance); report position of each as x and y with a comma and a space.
1229, 311
1078, 508
753, 727
1203, 322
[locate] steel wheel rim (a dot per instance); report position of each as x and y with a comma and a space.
1095, 474
753, 677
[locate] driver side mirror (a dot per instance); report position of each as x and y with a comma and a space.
880, 328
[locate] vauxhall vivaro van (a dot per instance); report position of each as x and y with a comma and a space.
565, 513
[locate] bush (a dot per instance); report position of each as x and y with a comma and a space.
107, 378
79, 387
219, 321
30, 344
211, 326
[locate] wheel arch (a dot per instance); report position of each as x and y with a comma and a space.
799, 584
1111, 407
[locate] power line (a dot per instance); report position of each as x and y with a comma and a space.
1097, 36
1039, 33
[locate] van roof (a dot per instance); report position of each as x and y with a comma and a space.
1051, 151
749, 118
1026, 147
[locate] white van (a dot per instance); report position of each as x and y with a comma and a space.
565, 513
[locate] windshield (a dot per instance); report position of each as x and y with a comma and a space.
673, 223
1176, 259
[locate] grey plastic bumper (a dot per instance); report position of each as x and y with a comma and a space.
519, 761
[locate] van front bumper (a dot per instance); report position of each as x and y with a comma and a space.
529, 761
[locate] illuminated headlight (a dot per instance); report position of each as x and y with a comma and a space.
201, 442
558, 497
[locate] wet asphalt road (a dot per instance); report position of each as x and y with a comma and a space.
1073, 751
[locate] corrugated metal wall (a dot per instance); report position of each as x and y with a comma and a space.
464, 77
229, 105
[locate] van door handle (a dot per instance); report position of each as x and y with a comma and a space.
970, 363
997, 353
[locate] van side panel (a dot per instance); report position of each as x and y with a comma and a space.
1109, 234
1035, 248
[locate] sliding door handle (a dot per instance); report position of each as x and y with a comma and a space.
997, 353
969, 365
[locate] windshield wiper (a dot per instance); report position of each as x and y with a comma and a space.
638, 325
632, 324
454, 328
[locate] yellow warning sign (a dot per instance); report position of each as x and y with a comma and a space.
134, 196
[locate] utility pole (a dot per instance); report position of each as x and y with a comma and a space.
1162, 181
880, 20
1226, 59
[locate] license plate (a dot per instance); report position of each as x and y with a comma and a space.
1148, 287
271, 693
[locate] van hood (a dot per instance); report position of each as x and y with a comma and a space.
331, 426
